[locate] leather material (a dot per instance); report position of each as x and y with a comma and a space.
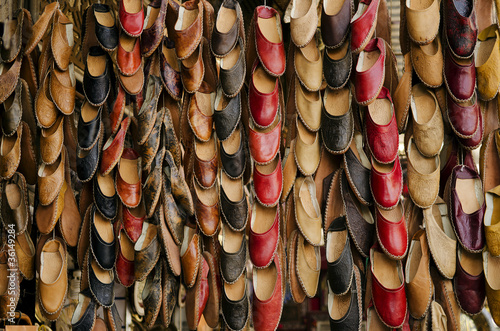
390, 303
307, 150
97, 88
357, 173
368, 83
152, 295
234, 213
463, 72
124, 268
112, 318
341, 270
45, 109
71, 219
147, 115
180, 189
387, 186
337, 72
470, 289
468, 227
12, 111
51, 142
151, 148
234, 165
223, 42
445, 296
271, 55
268, 187
11, 215
360, 221
235, 312
429, 135
51, 181
307, 211
422, 172
303, 28
428, 56
201, 124
476, 140
89, 132
264, 146
25, 251
308, 266
170, 72
354, 315
87, 163
422, 23
491, 225
191, 260
232, 79
132, 224
102, 251
87, 318
113, 149
207, 216
441, 238
463, 119
106, 205
118, 110
62, 89
134, 84
172, 213
61, 42
40, 27
362, 27
170, 288
193, 69
262, 246
263, 106
128, 63
307, 105
488, 79
309, 66
205, 171
460, 27
147, 252
102, 292
227, 119
12, 36
335, 26
267, 313
131, 23
152, 37
298, 294
28, 163
232, 265
197, 296
129, 193
51, 295
418, 282
106, 36
187, 40
383, 140
47, 216
170, 247
10, 156
337, 131
9, 77
490, 265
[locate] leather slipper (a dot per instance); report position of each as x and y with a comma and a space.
172, 251
40, 27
